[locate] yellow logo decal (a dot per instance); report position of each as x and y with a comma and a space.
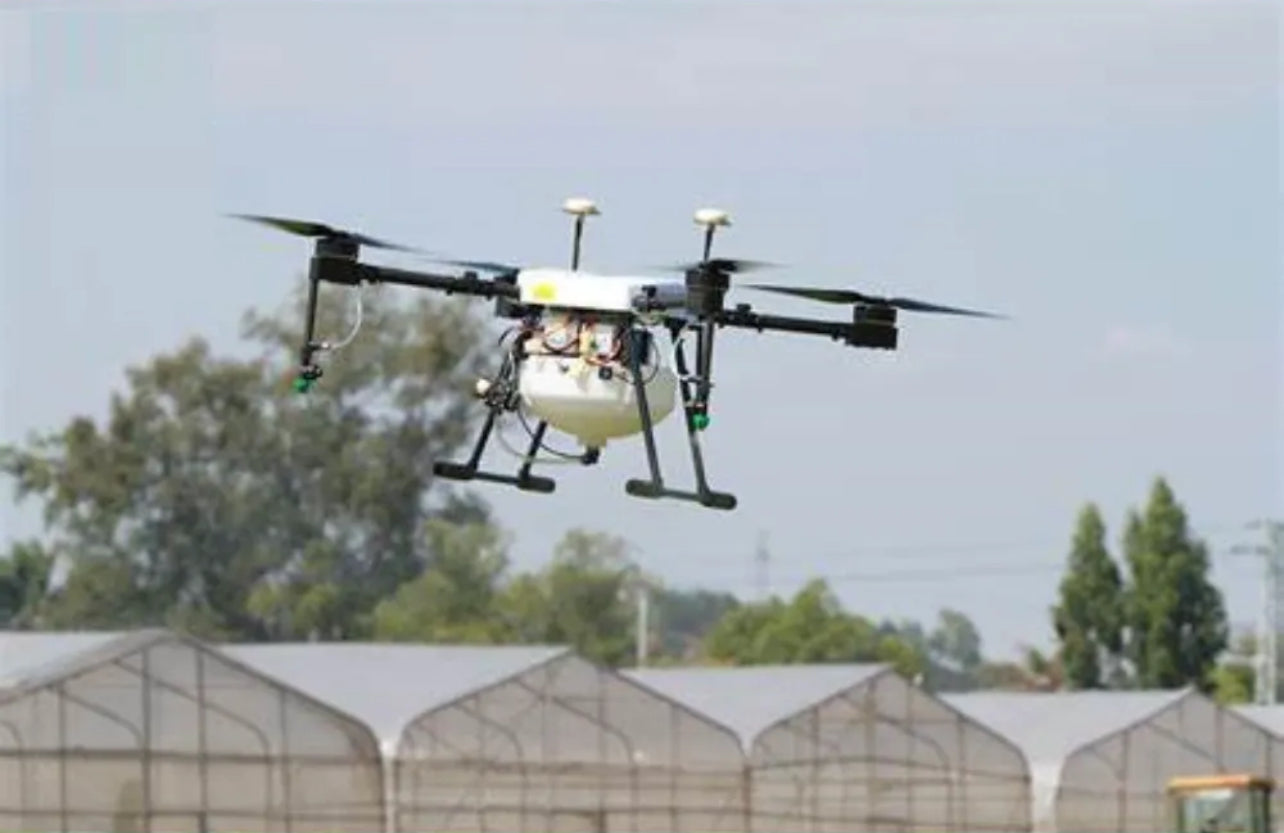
543, 291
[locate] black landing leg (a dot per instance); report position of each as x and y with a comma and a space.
654, 487
497, 400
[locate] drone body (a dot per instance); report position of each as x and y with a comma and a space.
585, 355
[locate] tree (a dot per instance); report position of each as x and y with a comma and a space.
454, 599
956, 640
580, 599
683, 617
213, 499
1089, 615
1233, 682
1176, 615
810, 628
25, 576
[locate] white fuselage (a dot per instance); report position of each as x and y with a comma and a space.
575, 372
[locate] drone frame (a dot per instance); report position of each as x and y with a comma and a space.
336, 260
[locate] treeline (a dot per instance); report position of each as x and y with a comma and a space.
213, 499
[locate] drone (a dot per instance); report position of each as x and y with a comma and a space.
584, 355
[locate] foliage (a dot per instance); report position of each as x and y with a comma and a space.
25, 578
1088, 619
1176, 616
1164, 626
454, 600
1232, 682
956, 640
214, 500
810, 628
582, 598
684, 617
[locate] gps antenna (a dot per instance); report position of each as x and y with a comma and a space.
581, 208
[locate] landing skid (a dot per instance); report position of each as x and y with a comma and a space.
523, 480
654, 488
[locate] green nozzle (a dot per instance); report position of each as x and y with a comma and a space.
700, 421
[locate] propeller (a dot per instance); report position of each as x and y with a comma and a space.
308, 228
848, 296
729, 265
482, 266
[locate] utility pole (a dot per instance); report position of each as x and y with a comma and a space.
762, 562
635, 584
1268, 625
643, 627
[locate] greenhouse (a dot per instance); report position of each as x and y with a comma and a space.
1101, 760
523, 738
152, 731
856, 747
1270, 718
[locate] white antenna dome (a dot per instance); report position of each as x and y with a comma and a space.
580, 207
712, 217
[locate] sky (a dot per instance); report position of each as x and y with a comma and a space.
1105, 173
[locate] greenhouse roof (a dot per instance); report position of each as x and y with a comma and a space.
1270, 718
1049, 726
750, 699
388, 685
26, 656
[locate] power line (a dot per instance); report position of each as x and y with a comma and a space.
936, 549
761, 584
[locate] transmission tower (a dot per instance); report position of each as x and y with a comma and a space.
1268, 625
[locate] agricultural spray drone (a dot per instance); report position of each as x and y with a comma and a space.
584, 356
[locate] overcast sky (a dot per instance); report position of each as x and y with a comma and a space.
1106, 173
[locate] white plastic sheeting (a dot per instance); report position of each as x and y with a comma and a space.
856, 747
523, 738
1101, 760
151, 731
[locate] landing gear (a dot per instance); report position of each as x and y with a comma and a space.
654, 487
500, 396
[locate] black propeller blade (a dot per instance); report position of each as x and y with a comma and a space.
308, 228
482, 266
848, 296
730, 265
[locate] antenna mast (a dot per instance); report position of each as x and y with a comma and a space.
1266, 680
581, 208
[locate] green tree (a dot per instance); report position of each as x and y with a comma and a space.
1233, 682
1089, 616
455, 599
581, 599
810, 628
1176, 616
25, 575
956, 640
684, 617
213, 499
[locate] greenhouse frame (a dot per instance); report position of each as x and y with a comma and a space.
856, 747
151, 730
1101, 760
523, 739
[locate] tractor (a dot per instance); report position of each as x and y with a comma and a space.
1227, 803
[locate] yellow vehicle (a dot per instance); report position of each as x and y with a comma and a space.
1228, 803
